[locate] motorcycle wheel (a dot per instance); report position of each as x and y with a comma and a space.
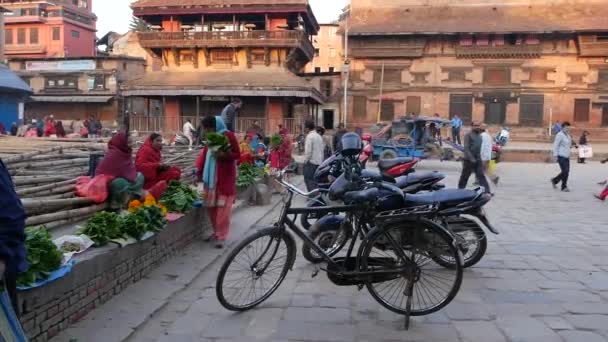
332, 243
471, 240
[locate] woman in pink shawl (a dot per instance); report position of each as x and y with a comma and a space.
118, 163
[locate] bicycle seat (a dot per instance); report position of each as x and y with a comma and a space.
441, 197
386, 164
363, 196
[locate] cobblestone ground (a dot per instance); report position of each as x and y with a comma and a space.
543, 279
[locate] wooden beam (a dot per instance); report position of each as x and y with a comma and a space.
207, 57
267, 56
266, 22
195, 57
176, 56
248, 53
198, 110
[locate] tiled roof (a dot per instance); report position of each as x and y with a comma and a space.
541, 17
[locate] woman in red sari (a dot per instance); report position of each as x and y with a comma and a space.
217, 171
148, 161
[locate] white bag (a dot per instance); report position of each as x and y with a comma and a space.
585, 152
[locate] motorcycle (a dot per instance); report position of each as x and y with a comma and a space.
399, 171
459, 211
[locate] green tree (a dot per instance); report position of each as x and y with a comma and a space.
139, 25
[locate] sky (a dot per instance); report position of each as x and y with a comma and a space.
115, 15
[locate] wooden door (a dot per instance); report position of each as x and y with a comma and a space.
605, 115
531, 110
581, 110
413, 105
496, 112
328, 119
387, 112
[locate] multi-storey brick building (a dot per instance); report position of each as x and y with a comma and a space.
513, 62
49, 29
202, 53
77, 88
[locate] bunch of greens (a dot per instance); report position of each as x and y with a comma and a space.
248, 173
103, 227
276, 140
179, 197
218, 142
145, 219
43, 256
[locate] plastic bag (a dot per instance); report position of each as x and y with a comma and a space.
83, 243
10, 327
95, 189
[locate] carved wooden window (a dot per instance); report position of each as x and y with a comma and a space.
222, 56
602, 78
531, 110
457, 75
186, 57
391, 75
8, 39
581, 110
360, 107
538, 75
420, 77
326, 87
497, 75
387, 111
576, 78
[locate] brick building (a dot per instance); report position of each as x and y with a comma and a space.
45, 29
76, 88
513, 62
200, 55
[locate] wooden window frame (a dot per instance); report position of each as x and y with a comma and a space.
602, 77
222, 56
56, 33
34, 37
21, 36
56, 80
457, 76
505, 70
394, 78
326, 87
9, 39
360, 113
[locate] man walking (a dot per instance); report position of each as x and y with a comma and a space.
456, 126
313, 154
472, 159
189, 132
486, 154
230, 112
561, 150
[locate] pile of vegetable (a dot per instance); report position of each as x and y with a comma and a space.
43, 256
179, 198
140, 219
218, 142
276, 140
247, 175
103, 227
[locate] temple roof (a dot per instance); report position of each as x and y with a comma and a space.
386, 17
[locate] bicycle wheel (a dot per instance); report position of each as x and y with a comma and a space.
433, 287
471, 240
255, 269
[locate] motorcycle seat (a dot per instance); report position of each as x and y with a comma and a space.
441, 197
363, 196
386, 164
417, 177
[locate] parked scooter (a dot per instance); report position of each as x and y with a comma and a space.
460, 211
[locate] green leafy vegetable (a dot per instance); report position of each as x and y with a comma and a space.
248, 173
142, 220
103, 227
43, 256
276, 141
179, 197
218, 142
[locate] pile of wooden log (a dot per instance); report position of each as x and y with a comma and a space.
45, 179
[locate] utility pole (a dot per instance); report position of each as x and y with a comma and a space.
381, 94
346, 68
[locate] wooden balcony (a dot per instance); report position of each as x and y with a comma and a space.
505, 51
227, 39
25, 19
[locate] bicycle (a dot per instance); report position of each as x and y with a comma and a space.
390, 261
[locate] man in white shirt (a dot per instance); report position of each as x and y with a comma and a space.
313, 154
486, 153
189, 132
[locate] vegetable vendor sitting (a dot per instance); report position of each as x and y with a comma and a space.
216, 169
128, 183
149, 162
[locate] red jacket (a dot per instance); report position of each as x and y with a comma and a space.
226, 167
147, 161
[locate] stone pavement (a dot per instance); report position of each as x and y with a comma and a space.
543, 279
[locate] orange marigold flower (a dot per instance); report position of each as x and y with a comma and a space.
150, 201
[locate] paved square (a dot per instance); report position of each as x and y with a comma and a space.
543, 279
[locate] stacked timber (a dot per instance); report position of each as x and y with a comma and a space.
45, 180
